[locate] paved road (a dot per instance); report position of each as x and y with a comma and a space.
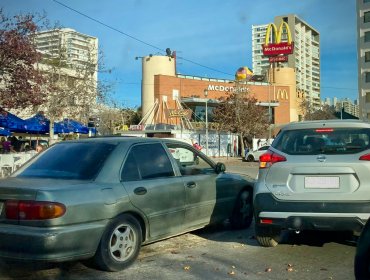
217, 253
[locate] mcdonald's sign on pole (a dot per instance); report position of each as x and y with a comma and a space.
276, 47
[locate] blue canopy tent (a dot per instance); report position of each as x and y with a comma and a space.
4, 132
61, 128
11, 122
75, 126
38, 124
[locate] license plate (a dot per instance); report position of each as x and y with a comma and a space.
321, 182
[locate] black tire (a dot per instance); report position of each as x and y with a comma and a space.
250, 158
267, 237
362, 257
243, 211
119, 245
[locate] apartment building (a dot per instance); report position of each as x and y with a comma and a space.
363, 57
77, 48
305, 58
73, 56
345, 104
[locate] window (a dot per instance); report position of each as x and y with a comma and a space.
367, 36
367, 17
189, 161
147, 161
79, 161
367, 56
334, 141
367, 77
368, 97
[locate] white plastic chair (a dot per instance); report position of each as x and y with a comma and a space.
6, 164
19, 160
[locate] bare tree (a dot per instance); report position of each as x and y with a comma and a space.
112, 119
74, 89
239, 113
326, 112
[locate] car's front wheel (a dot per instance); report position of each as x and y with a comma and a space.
119, 245
267, 237
243, 211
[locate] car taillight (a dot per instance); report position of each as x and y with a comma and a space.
365, 157
33, 210
269, 158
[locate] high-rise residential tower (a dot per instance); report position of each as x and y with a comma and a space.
71, 59
78, 48
305, 58
363, 57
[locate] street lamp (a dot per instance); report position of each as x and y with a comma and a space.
206, 94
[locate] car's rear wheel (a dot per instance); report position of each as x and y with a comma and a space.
267, 237
243, 211
119, 245
250, 158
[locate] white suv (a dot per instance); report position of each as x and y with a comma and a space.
315, 176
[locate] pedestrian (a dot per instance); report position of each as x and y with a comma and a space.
197, 146
246, 151
39, 148
7, 145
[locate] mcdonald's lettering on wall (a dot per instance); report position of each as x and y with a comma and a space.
276, 47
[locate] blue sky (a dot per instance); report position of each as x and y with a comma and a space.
213, 33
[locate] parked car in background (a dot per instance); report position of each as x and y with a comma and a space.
315, 176
254, 155
103, 198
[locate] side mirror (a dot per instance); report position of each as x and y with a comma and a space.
220, 167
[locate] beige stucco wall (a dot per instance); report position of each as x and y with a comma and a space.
151, 66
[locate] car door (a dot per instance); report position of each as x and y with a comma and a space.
149, 178
206, 191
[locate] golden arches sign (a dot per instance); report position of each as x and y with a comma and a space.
276, 47
281, 94
278, 33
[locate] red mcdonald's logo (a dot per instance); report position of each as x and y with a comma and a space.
276, 47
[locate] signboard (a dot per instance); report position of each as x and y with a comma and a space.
276, 47
279, 58
136, 127
178, 113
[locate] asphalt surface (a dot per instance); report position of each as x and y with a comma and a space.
217, 253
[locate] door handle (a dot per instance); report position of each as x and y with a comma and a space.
140, 191
191, 185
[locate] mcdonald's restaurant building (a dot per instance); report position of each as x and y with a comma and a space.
167, 96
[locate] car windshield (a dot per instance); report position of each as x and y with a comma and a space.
323, 141
80, 161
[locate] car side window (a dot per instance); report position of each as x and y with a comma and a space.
189, 161
147, 161
130, 170
264, 148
